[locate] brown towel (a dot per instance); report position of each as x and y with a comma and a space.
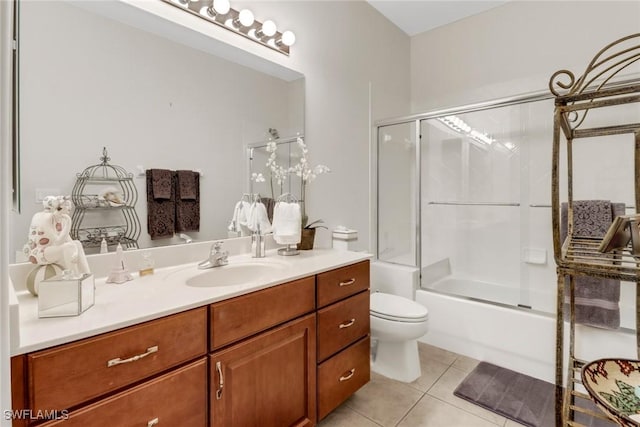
188, 201
162, 184
596, 299
269, 203
160, 211
187, 185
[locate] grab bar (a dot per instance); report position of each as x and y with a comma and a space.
454, 203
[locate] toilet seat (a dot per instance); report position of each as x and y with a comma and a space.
396, 308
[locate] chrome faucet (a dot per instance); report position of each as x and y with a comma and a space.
217, 257
257, 244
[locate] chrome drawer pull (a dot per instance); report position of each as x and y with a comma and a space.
221, 381
347, 324
153, 422
118, 361
349, 375
348, 282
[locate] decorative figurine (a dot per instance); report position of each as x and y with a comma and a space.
49, 240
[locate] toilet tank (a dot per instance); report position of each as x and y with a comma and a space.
394, 279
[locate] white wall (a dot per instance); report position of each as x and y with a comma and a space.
355, 64
512, 49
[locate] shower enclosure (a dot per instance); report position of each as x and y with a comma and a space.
464, 196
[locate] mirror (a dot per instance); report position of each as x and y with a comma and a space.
87, 82
272, 180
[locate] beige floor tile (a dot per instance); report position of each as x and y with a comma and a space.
465, 363
431, 371
343, 416
431, 412
430, 352
383, 400
443, 390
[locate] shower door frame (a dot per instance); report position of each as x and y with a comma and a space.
417, 120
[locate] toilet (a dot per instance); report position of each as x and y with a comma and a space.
396, 324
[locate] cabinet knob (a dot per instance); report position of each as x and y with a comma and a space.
153, 422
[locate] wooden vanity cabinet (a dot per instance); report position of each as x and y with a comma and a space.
282, 356
266, 381
343, 355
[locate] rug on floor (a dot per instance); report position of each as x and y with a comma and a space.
519, 397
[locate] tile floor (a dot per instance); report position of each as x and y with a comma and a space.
427, 402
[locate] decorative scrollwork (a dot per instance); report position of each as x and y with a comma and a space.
555, 80
604, 66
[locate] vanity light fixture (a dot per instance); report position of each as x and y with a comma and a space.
217, 7
241, 22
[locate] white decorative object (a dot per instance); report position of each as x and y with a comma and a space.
119, 273
49, 241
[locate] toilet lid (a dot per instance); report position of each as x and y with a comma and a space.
393, 307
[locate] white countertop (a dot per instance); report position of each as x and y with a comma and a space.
163, 293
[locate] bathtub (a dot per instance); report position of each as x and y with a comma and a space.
504, 334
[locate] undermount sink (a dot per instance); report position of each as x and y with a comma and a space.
233, 274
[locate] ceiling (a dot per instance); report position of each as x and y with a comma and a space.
417, 16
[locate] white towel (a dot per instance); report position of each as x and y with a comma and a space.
240, 218
258, 218
287, 223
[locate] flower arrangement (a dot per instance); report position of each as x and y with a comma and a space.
307, 173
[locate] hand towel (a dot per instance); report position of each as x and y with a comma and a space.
258, 218
269, 203
162, 184
160, 211
597, 300
287, 223
234, 224
187, 201
188, 185
243, 218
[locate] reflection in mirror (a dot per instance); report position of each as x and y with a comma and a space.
269, 164
88, 82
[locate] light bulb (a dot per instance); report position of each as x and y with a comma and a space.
288, 38
268, 28
245, 17
221, 6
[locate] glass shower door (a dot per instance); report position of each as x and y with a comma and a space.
471, 205
398, 190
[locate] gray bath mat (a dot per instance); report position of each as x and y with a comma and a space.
519, 397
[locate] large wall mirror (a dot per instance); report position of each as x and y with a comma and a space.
87, 82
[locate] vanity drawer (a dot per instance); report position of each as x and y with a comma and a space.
151, 403
342, 375
342, 323
249, 314
338, 284
70, 374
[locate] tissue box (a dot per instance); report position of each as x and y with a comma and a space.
61, 296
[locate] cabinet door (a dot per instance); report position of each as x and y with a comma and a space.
266, 381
